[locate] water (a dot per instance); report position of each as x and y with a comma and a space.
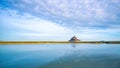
60, 56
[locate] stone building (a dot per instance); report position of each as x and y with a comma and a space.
74, 39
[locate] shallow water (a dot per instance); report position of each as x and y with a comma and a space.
60, 56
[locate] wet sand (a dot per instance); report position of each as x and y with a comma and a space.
59, 42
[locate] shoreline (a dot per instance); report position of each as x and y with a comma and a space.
59, 42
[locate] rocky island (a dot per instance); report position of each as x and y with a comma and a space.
74, 39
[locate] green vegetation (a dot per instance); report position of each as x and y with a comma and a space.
59, 42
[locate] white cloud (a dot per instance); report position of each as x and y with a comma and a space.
34, 26
79, 15
41, 27
83, 11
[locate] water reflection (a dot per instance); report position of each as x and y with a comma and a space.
73, 45
60, 56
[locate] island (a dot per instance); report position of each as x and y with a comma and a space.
72, 40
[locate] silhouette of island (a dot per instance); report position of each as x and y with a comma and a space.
74, 39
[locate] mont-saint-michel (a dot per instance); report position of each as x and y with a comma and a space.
59, 33
73, 40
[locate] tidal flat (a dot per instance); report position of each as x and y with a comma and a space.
60, 56
59, 42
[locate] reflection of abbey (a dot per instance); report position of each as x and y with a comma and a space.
74, 39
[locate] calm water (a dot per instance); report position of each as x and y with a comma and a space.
60, 56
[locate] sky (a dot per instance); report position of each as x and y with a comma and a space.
59, 20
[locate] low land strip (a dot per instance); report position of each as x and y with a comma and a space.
59, 42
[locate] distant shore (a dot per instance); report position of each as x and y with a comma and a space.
59, 42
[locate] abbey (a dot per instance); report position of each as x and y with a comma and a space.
74, 39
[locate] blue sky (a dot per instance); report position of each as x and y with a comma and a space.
55, 20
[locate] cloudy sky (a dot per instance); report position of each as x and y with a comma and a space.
50, 20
